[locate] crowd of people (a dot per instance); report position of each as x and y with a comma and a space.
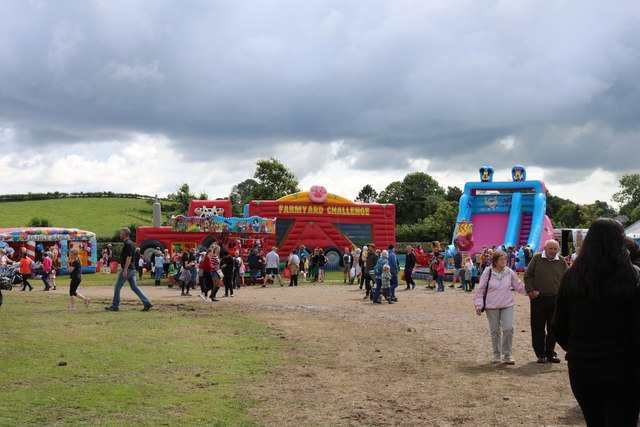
588, 303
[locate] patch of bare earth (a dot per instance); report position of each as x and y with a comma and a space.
422, 361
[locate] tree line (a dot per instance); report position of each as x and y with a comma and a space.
60, 195
271, 180
425, 210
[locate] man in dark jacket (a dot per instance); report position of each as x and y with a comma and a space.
542, 280
255, 264
458, 269
409, 265
127, 274
372, 260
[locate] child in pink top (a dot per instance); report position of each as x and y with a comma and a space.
47, 264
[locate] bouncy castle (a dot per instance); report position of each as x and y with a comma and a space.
509, 213
36, 240
317, 218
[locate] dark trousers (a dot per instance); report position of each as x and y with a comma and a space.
294, 280
542, 338
408, 279
377, 291
253, 275
228, 284
607, 395
45, 280
393, 285
25, 281
367, 283
207, 282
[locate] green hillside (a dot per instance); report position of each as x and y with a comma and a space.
103, 216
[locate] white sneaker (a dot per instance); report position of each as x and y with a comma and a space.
496, 359
202, 297
207, 300
509, 360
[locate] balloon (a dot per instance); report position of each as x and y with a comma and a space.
464, 242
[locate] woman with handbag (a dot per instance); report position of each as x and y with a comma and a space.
494, 297
217, 273
185, 273
206, 267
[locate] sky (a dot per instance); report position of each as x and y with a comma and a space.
141, 96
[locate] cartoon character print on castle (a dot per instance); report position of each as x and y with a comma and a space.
486, 174
491, 202
518, 173
318, 194
204, 211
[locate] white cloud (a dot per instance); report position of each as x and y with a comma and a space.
508, 143
153, 164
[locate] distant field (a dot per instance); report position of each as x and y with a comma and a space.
104, 216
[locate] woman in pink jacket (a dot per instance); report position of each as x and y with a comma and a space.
495, 297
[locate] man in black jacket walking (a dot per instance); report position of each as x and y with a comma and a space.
409, 264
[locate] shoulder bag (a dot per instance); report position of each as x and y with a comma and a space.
486, 290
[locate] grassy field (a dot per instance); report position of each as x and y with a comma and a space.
103, 216
178, 364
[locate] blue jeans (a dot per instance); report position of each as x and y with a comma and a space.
45, 279
440, 284
253, 275
131, 278
194, 275
376, 293
159, 271
393, 285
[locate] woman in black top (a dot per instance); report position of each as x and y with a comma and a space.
597, 322
75, 268
313, 265
322, 264
227, 265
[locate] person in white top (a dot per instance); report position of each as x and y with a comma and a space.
575, 254
294, 267
4, 261
273, 261
468, 273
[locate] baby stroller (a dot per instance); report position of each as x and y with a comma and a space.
9, 277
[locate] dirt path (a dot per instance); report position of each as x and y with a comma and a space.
422, 361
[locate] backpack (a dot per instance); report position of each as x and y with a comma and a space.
377, 270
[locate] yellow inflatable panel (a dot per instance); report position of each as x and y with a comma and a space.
303, 197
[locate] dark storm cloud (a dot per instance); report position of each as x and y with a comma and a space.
445, 81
